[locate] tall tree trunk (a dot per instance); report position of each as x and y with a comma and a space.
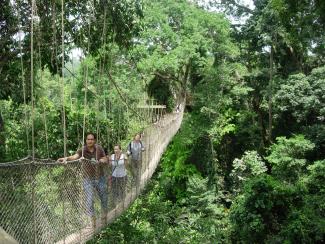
256, 107
186, 78
270, 92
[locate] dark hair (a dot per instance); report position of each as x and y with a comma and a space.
138, 134
118, 145
91, 133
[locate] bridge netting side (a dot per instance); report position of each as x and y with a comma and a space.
42, 201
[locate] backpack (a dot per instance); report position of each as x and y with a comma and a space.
129, 147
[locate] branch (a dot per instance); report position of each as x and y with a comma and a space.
72, 73
171, 77
246, 9
116, 87
121, 95
237, 5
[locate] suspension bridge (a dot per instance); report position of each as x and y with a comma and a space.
43, 201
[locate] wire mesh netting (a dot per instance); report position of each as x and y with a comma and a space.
43, 201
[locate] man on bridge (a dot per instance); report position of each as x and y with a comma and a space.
94, 178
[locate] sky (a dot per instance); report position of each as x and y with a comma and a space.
247, 3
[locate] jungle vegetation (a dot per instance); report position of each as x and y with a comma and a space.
247, 165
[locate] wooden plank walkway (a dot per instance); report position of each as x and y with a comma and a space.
5, 238
88, 233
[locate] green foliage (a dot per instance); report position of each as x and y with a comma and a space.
147, 220
13, 145
302, 97
176, 36
306, 224
176, 169
160, 90
214, 185
314, 207
316, 178
153, 218
261, 212
300, 108
268, 210
203, 212
87, 25
228, 99
201, 156
249, 166
287, 157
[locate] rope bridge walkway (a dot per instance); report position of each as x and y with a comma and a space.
43, 201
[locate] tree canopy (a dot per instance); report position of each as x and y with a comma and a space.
248, 162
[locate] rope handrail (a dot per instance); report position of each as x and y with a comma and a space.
121, 95
56, 185
117, 88
40, 161
44, 201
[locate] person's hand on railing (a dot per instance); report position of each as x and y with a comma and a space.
62, 160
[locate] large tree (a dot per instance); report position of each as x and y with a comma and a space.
87, 25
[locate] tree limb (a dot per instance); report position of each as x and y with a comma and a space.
237, 5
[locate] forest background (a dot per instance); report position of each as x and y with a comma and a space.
248, 163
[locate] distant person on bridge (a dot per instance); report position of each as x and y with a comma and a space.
118, 160
94, 178
134, 150
1, 123
178, 108
2, 141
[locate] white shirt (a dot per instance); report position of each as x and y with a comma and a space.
118, 169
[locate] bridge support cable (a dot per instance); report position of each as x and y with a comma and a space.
34, 191
42, 201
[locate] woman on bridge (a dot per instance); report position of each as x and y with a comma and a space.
134, 150
119, 177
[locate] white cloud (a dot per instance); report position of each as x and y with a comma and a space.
233, 20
